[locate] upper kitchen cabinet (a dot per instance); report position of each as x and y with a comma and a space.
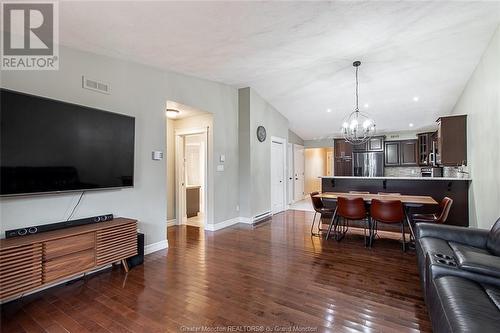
401, 153
392, 153
408, 150
425, 148
452, 140
376, 143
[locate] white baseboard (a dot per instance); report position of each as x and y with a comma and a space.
222, 225
246, 220
171, 222
155, 247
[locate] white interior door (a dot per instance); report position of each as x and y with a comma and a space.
277, 177
290, 174
298, 164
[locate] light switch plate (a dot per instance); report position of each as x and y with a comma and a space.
157, 155
220, 167
222, 158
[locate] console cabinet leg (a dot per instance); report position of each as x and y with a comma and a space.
125, 265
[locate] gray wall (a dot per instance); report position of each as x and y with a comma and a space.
480, 100
320, 143
294, 138
255, 180
142, 92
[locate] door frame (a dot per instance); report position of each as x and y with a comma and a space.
283, 142
180, 196
297, 174
290, 192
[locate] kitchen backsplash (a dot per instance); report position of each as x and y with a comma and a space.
402, 172
451, 172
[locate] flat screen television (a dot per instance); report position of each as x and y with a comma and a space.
52, 146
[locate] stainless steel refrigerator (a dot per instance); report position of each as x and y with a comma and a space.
370, 164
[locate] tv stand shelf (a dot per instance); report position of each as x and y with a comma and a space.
31, 262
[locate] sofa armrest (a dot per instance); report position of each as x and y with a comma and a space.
478, 262
469, 236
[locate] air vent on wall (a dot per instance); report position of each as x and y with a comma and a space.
94, 85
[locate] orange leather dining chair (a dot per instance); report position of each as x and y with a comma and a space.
389, 212
320, 208
440, 217
348, 209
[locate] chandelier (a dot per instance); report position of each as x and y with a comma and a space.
358, 127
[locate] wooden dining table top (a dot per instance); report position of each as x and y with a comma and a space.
405, 199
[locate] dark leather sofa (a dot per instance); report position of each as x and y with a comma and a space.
460, 274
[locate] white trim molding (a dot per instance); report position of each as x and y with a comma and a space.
155, 247
222, 225
171, 222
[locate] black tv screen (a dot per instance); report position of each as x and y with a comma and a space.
52, 146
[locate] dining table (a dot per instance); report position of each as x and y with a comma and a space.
408, 201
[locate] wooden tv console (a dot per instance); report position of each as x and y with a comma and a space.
31, 262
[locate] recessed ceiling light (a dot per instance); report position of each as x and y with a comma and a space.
410, 124
172, 113
367, 105
328, 110
415, 98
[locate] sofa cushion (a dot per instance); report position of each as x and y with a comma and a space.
464, 306
493, 241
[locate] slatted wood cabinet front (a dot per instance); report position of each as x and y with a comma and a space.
31, 262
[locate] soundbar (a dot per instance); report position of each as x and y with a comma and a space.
55, 226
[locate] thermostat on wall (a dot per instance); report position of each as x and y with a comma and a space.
157, 155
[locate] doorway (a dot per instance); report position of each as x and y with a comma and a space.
278, 172
191, 176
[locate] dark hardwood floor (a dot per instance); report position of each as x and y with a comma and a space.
273, 275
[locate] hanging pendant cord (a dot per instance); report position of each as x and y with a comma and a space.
357, 108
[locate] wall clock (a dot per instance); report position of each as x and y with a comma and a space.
261, 133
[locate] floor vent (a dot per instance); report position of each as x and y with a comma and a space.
94, 85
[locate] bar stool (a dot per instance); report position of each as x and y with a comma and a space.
348, 209
320, 208
389, 212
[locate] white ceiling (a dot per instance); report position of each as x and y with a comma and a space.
298, 55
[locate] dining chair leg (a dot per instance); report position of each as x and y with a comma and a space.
373, 231
403, 234
312, 225
368, 224
332, 222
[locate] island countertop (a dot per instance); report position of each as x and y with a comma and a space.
396, 178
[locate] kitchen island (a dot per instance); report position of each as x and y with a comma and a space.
436, 187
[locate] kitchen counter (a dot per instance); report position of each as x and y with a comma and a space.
397, 178
437, 187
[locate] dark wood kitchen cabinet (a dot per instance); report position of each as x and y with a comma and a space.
408, 149
343, 167
401, 153
376, 143
343, 158
425, 141
342, 148
392, 153
452, 140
